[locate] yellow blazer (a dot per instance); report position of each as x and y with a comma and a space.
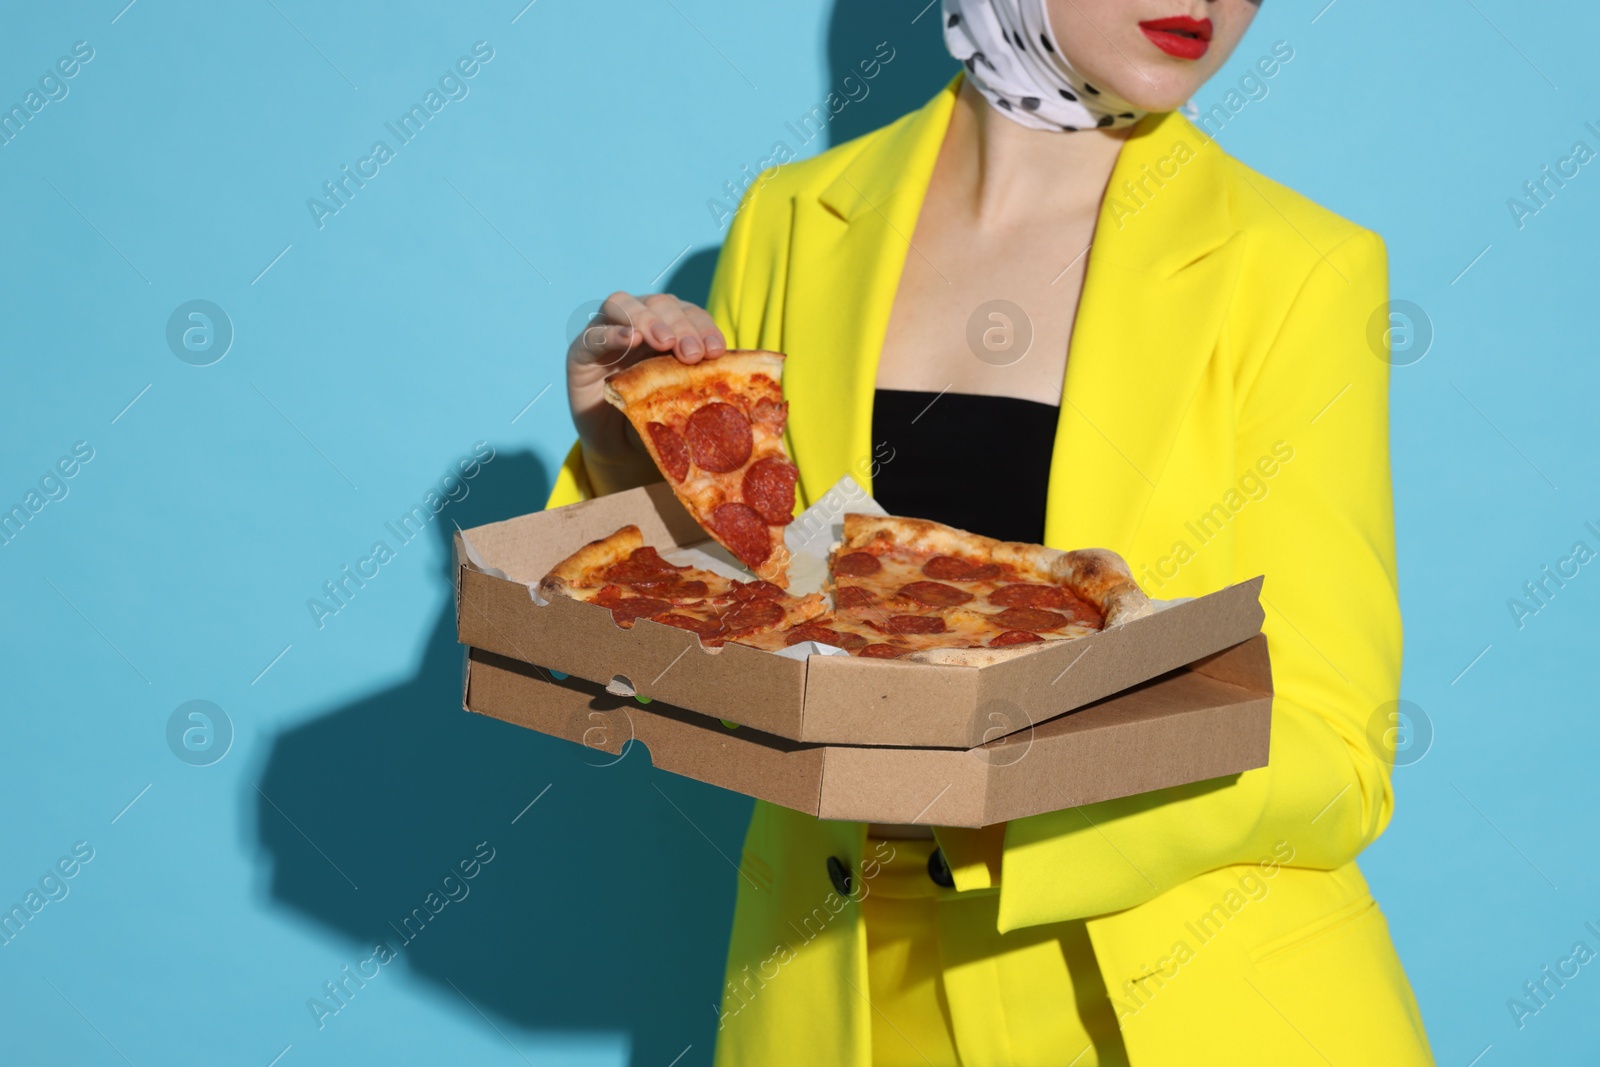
1225, 414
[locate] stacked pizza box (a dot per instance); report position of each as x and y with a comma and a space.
999, 681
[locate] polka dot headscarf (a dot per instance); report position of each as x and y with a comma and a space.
1012, 58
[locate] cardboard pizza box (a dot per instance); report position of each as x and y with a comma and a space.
1208, 720
822, 699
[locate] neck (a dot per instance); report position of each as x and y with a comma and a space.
1006, 171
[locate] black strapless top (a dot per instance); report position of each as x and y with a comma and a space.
978, 463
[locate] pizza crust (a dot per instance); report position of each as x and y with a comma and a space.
594, 556
643, 380
1102, 577
919, 535
972, 657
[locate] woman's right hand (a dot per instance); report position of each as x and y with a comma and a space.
626, 330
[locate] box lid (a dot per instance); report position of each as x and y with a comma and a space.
1207, 720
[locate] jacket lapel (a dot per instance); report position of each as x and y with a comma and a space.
1155, 292
849, 248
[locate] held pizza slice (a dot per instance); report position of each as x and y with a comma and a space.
715, 429
942, 595
629, 578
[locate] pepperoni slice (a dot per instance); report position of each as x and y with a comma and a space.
753, 614
629, 608
1032, 596
756, 590
719, 437
703, 627
670, 449
935, 594
810, 631
647, 556
768, 487
1086, 614
771, 413
916, 624
1014, 637
947, 568
1030, 619
857, 564
883, 651
815, 631
853, 596
956, 569
743, 531
642, 564
672, 588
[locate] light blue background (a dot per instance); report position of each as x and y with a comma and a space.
427, 315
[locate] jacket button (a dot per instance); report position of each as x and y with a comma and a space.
839, 876
939, 870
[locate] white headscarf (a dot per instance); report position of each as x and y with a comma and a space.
1012, 58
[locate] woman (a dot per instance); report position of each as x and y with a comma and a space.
1179, 369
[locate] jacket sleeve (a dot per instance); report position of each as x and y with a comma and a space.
572, 481
1326, 545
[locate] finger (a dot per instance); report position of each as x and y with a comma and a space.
711, 337
604, 343
671, 311
625, 309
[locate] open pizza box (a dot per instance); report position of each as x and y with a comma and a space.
1204, 721
801, 694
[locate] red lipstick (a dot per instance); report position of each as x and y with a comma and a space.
1179, 36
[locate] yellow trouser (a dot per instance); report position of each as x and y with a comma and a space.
916, 978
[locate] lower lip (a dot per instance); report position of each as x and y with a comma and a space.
1175, 44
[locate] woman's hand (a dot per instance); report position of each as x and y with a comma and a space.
626, 330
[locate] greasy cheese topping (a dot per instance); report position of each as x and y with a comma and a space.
898, 603
703, 602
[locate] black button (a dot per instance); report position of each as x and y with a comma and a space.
838, 876
939, 870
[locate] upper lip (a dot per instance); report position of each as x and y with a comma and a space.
1200, 28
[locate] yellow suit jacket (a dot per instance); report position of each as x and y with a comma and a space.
1225, 414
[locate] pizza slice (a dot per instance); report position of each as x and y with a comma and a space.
715, 429
856, 636
912, 588
926, 586
629, 578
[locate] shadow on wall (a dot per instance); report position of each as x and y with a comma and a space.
691, 280
604, 907
602, 912
861, 33
867, 90
885, 59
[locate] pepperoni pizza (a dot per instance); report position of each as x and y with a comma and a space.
937, 594
630, 579
716, 431
902, 588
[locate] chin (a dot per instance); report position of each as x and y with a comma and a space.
1166, 94
1160, 102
